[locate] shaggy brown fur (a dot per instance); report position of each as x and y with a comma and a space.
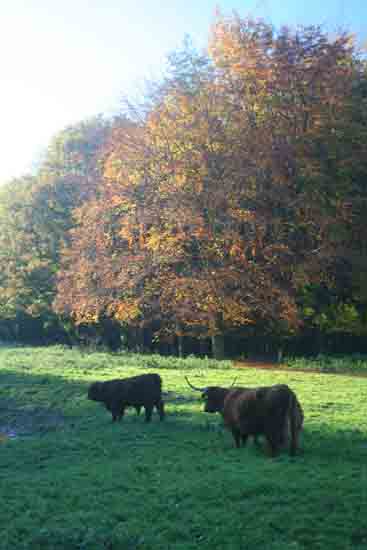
272, 411
138, 391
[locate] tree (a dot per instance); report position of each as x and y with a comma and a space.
227, 192
35, 215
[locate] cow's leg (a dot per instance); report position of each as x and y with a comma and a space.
160, 409
116, 410
274, 444
286, 433
236, 437
110, 409
257, 441
293, 447
294, 428
148, 412
121, 413
244, 438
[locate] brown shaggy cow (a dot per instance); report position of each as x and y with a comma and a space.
144, 390
272, 411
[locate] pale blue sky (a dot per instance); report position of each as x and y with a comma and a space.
65, 60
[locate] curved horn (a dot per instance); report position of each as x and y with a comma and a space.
235, 378
194, 387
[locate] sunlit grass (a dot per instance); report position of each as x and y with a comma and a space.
356, 364
74, 480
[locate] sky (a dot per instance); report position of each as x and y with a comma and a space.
62, 61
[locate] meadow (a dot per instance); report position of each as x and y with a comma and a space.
71, 479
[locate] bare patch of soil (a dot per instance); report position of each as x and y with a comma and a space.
17, 422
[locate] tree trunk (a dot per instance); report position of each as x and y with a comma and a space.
180, 345
218, 346
147, 339
217, 339
180, 339
135, 339
204, 347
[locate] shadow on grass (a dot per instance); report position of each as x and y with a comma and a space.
36, 404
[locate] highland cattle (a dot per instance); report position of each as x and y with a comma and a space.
271, 411
144, 390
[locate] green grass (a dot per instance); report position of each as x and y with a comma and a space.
352, 364
74, 480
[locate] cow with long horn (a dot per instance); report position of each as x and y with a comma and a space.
271, 411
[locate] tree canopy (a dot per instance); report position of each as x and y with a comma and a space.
227, 199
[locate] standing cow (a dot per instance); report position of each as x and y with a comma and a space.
272, 411
144, 390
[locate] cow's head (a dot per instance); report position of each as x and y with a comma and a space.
95, 391
213, 396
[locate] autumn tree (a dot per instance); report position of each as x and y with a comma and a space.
336, 308
35, 215
300, 91
92, 276
227, 192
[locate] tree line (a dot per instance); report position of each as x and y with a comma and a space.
224, 213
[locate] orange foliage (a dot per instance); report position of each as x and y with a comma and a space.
208, 216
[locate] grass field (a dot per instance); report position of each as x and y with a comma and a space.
71, 479
354, 364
